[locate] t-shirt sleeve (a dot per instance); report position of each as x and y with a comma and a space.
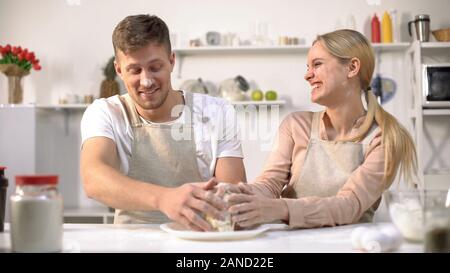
97, 121
229, 142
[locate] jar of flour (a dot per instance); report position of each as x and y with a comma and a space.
36, 215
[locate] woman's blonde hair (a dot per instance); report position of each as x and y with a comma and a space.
399, 148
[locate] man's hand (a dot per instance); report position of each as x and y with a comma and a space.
249, 210
188, 203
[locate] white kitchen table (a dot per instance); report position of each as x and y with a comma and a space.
150, 238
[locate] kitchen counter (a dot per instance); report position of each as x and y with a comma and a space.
150, 238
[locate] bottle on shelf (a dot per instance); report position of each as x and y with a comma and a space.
3, 188
375, 29
351, 22
386, 28
395, 26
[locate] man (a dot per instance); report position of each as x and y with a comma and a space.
143, 153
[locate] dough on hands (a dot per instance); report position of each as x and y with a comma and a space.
227, 224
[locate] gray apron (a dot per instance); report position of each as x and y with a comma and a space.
328, 165
158, 158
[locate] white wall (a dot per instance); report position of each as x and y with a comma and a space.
72, 38
74, 41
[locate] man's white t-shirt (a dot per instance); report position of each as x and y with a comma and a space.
216, 130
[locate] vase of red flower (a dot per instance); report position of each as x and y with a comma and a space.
15, 91
15, 64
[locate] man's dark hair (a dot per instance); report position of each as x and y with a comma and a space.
136, 31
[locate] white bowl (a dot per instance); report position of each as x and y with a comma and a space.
406, 212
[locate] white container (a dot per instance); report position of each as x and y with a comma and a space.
36, 215
406, 211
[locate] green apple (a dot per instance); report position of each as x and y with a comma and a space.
257, 95
271, 95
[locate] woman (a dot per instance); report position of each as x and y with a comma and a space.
330, 168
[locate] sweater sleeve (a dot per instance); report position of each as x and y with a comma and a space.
277, 170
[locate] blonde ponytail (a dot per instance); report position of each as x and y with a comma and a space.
399, 148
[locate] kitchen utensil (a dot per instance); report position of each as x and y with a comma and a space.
442, 35
437, 221
234, 89
406, 211
422, 25
3, 189
199, 86
36, 214
383, 88
388, 89
195, 86
213, 38
376, 87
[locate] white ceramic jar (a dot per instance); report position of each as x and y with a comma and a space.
36, 215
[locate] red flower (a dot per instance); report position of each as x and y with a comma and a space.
30, 56
21, 57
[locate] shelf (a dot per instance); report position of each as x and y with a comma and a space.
22, 105
46, 106
274, 102
63, 106
217, 50
242, 50
435, 45
391, 47
436, 112
204, 50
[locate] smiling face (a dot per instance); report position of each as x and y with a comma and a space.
328, 77
146, 74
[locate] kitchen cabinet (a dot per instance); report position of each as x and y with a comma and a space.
431, 127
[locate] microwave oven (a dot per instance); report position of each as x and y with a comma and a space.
436, 85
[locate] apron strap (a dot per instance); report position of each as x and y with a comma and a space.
130, 110
315, 125
188, 99
132, 114
373, 131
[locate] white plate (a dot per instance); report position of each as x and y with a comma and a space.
180, 232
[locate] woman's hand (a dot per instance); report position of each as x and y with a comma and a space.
248, 210
241, 187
